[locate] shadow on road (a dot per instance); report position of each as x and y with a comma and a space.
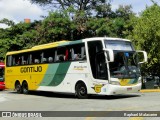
114, 97
72, 96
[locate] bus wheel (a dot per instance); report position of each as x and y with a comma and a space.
25, 88
18, 87
81, 91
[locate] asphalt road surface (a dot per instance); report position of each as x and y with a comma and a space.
34, 105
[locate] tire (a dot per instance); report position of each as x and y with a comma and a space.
18, 88
81, 91
25, 88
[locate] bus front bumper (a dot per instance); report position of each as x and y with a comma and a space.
117, 89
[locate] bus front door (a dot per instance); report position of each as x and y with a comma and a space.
97, 60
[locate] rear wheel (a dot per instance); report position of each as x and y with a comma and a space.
25, 88
81, 91
18, 87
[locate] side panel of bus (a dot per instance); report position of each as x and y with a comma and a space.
65, 77
31, 74
57, 77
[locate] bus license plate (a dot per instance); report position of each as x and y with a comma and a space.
129, 89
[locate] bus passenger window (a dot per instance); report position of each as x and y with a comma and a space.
24, 62
56, 58
61, 54
18, 61
36, 61
83, 53
76, 56
44, 60
50, 59
78, 52
61, 58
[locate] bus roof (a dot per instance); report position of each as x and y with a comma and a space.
104, 38
54, 44
44, 46
63, 43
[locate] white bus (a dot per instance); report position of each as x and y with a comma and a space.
100, 65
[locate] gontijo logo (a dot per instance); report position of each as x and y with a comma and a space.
31, 69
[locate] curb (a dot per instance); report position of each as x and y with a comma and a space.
150, 90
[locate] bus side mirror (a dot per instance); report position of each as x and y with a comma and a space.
109, 55
142, 56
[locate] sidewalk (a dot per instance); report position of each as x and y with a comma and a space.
150, 90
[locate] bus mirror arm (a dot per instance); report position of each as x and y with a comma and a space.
144, 55
109, 54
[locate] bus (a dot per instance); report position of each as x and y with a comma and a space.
98, 65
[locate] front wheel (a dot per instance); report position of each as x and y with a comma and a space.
81, 91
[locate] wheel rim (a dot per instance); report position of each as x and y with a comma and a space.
82, 91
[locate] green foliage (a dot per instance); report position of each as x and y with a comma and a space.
100, 26
99, 6
57, 26
7, 22
146, 35
16, 37
69, 24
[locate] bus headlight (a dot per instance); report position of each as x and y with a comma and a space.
114, 83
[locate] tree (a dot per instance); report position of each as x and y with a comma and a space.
64, 4
124, 12
16, 37
122, 25
57, 26
146, 36
7, 22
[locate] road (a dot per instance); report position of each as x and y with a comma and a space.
46, 101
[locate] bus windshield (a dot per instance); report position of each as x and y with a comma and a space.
118, 45
125, 65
